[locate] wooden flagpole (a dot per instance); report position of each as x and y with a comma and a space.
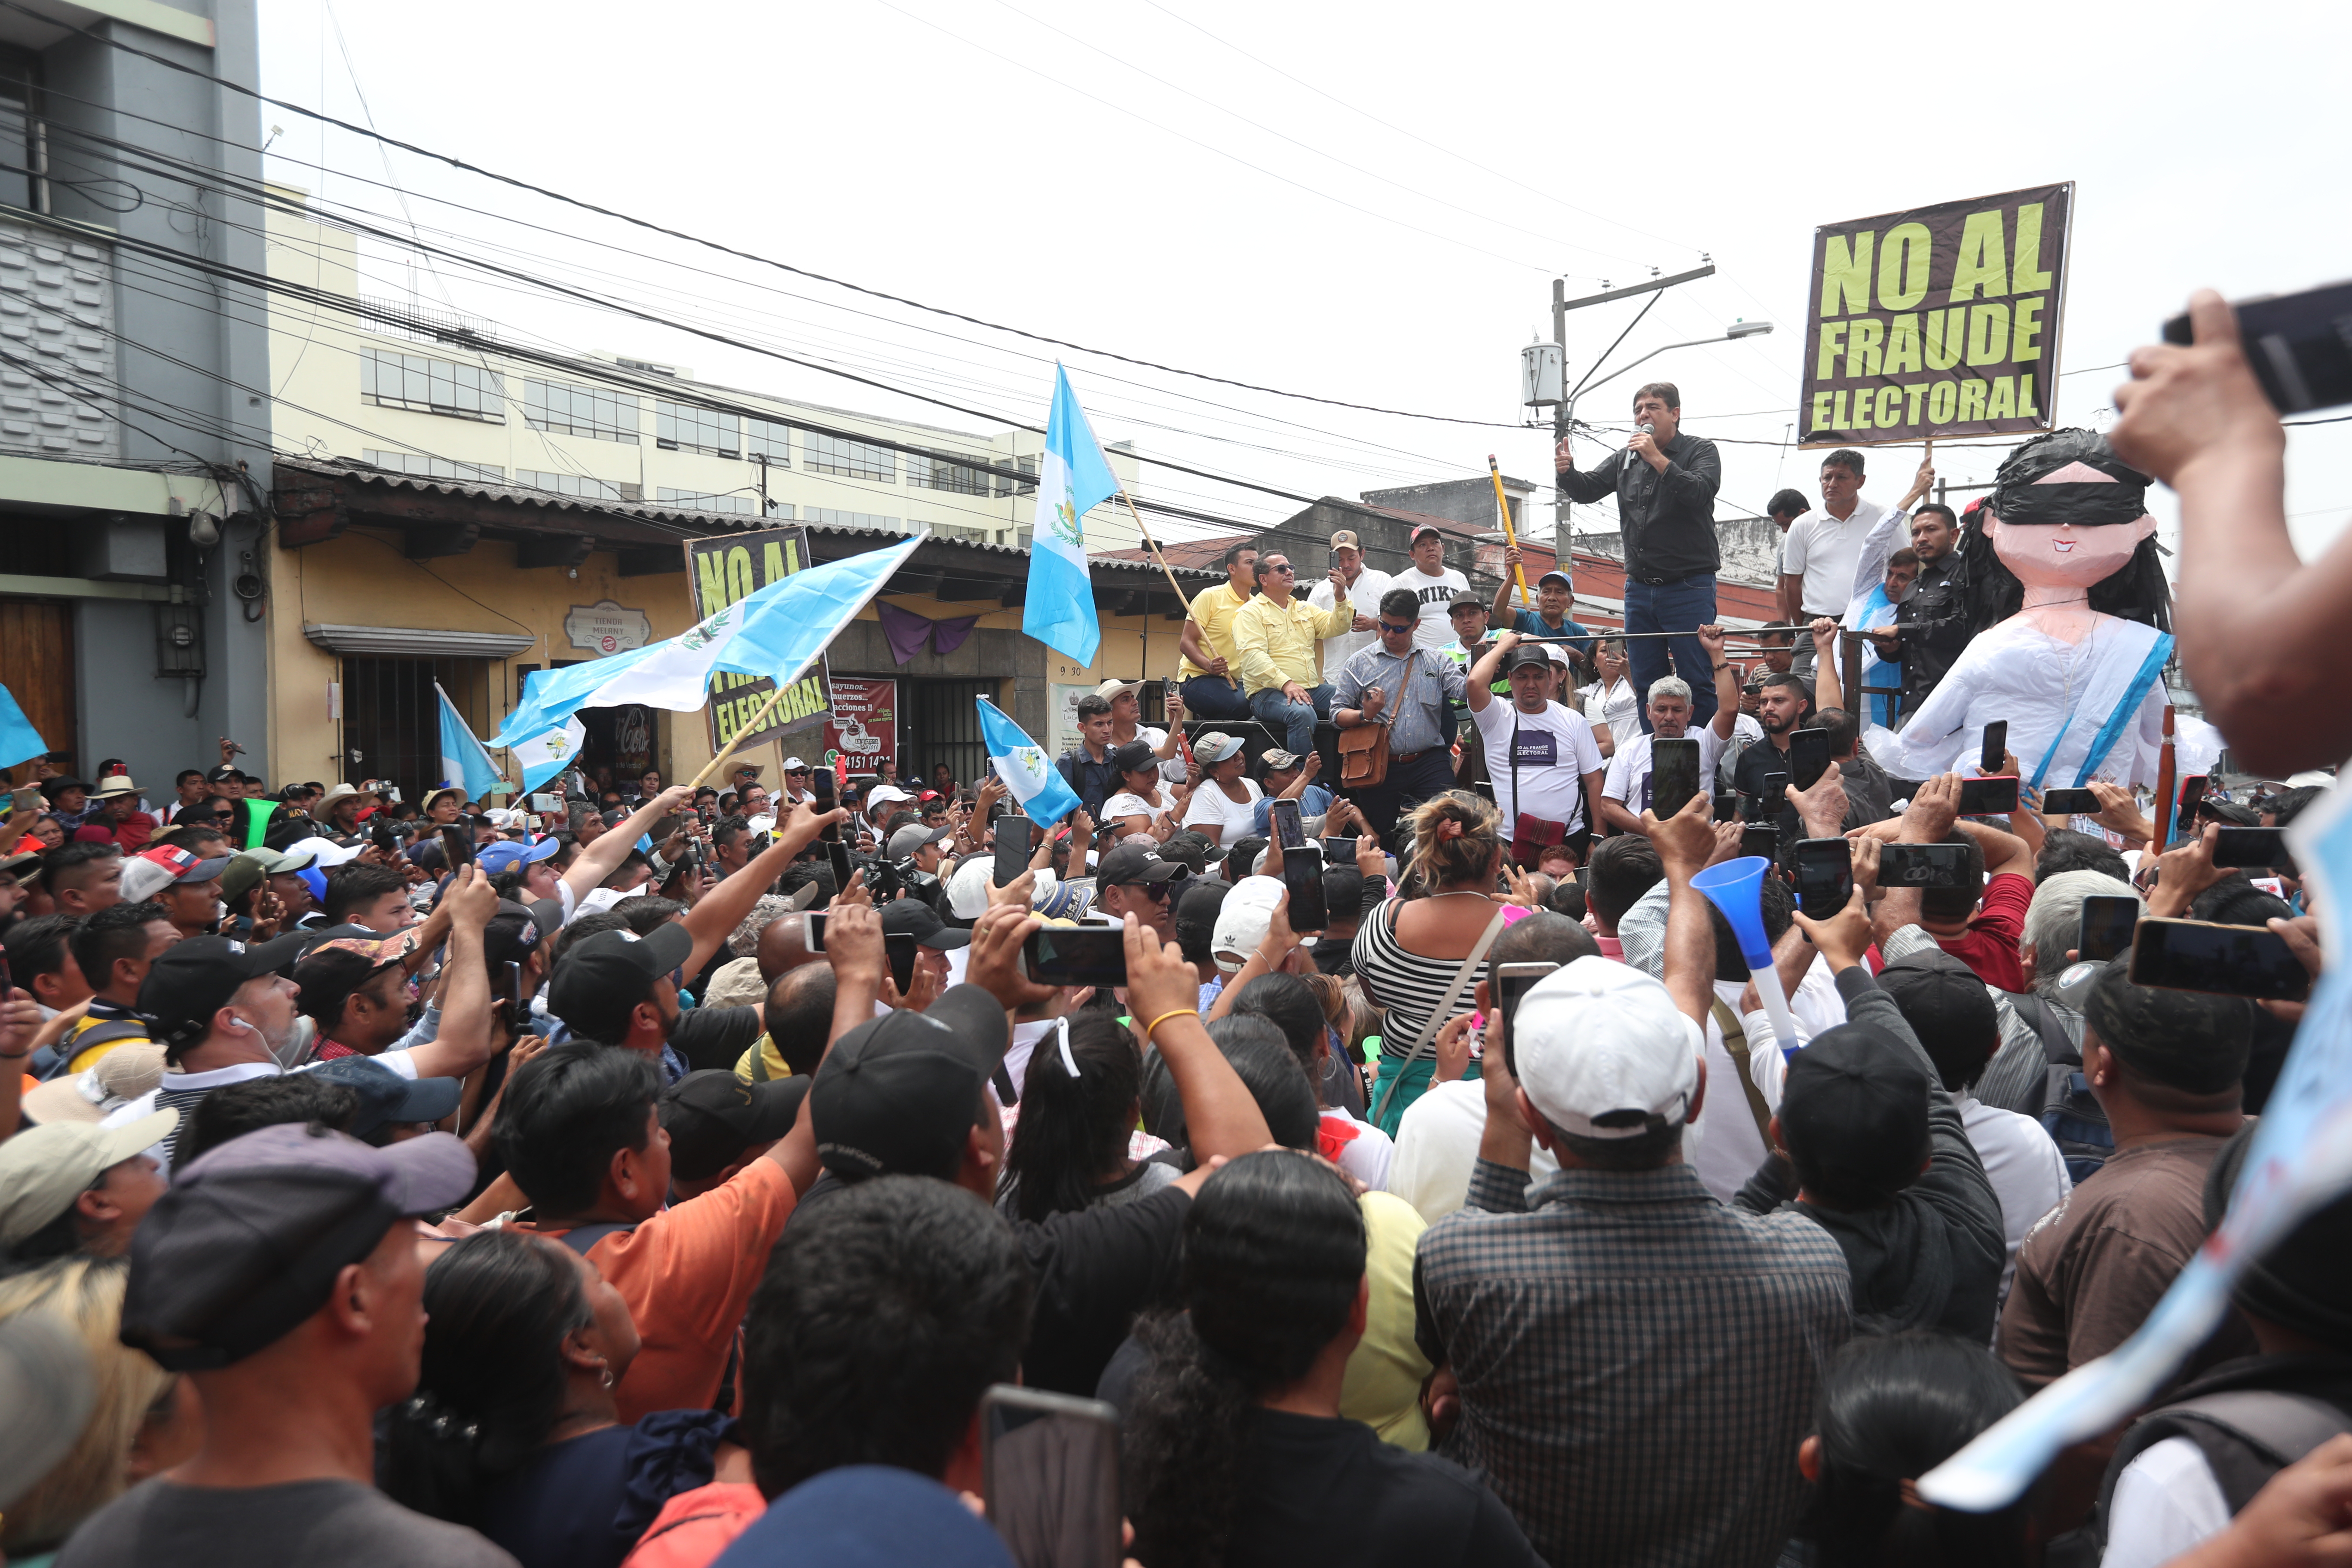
751, 727
1154, 545
1510, 535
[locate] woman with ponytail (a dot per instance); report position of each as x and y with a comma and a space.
1237, 1454
1892, 1408
1079, 1105
513, 1429
1410, 952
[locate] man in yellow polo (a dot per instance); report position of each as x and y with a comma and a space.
1209, 674
1279, 641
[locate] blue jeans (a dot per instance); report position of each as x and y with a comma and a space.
1683, 606
1215, 697
1296, 720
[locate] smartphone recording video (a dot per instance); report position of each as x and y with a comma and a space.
1988, 797
1012, 848
1282, 817
1077, 956
2298, 345
1825, 877
899, 946
1673, 774
2251, 848
1302, 873
821, 800
1809, 757
2106, 928
1761, 838
1922, 866
1511, 983
2072, 802
458, 846
1995, 748
2229, 961
1049, 1469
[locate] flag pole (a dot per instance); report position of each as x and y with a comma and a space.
1154, 545
1510, 536
750, 727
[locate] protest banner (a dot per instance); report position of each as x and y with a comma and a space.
719, 572
864, 723
1936, 322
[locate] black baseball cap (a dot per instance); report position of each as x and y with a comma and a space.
602, 976
508, 937
1187, 849
1138, 863
1856, 1110
1134, 757
248, 1240
386, 1099
712, 1116
1525, 654
897, 1096
192, 980
912, 917
1946, 1004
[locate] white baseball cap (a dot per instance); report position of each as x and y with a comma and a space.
325, 852
1600, 1039
1242, 921
883, 794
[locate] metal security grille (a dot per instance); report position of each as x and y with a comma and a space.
392, 720
947, 728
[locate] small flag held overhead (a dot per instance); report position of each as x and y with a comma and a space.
1029, 774
1073, 477
464, 760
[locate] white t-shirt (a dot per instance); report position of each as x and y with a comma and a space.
1723, 1145
1629, 770
1366, 1156
1364, 598
1436, 596
2167, 1502
2028, 1174
1126, 803
1556, 751
1210, 809
1825, 550
1618, 707
1437, 1144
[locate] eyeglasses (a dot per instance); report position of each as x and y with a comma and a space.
1285, 567
1397, 631
1157, 892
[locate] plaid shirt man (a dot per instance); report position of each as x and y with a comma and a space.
1637, 1362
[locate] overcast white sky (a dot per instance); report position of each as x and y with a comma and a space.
1369, 209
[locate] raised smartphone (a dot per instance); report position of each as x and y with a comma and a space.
1282, 818
458, 846
1824, 875
1727, 806
2107, 927
1761, 838
899, 946
1809, 757
2299, 345
2251, 848
1077, 955
2072, 802
1302, 873
1995, 796
1511, 982
838, 854
1996, 747
1012, 848
1049, 1473
1673, 774
2232, 961
821, 801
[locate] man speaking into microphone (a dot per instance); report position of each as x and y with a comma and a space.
1665, 482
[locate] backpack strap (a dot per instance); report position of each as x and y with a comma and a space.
2057, 1048
1735, 1040
2246, 1435
1423, 1042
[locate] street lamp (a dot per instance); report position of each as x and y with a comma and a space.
1737, 330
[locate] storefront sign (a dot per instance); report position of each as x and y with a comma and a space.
864, 723
719, 572
604, 628
1936, 322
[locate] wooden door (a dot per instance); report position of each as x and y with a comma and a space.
37, 666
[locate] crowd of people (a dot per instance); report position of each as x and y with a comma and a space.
684, 1177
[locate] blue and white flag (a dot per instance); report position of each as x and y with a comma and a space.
1029, 774
464, 762
2300, 1158
1072, 478
543, 756
780, 632
18, 738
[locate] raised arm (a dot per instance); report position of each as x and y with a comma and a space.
1221, 1116
1828, 692
718, 911
463, 1041
601, 859
1685, 842
1726, 683
1478, 685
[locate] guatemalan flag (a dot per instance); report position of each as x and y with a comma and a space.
543, 756
464, 762
1072, 480
779, 632
1029, 774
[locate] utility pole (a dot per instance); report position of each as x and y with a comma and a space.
762, 459
1563, 417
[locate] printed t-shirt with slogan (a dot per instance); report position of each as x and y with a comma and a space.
1556, 750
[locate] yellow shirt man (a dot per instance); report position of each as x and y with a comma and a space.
1277, 643
1213, 612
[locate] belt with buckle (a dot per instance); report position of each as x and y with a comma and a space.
1412, 756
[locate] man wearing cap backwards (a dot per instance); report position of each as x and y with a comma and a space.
281, 1273
1434, 585
1555, 601
1540, 755
1207, 671
1277, 645
1635, 1362
1361, 588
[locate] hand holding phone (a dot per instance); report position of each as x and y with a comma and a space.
1995, 748
1995, 796
1825, 877
2294, 345
2226, 960
1809, 757
1302, 875
2107, 927
1674, 773
2071, 803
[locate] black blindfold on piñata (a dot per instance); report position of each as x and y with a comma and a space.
2019, 497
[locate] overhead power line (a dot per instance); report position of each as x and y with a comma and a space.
649, 225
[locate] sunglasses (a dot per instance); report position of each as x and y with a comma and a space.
1157, 892
1285, 569
1397, 631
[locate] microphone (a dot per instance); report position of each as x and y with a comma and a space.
1646, 429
